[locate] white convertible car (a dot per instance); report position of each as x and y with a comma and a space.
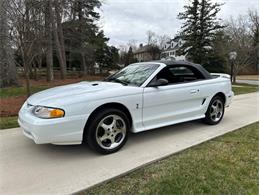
140, 97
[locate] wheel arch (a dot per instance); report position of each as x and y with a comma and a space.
222, 95
116, 105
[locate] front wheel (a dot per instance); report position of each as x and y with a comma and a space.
108, 131
215, 111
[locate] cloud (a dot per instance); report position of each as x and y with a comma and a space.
124, 20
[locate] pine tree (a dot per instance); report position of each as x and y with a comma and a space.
83, 33
199, 29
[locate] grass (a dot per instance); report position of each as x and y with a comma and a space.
8, 122
224, 165
18, 91
244, 88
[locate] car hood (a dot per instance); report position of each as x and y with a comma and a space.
66, 93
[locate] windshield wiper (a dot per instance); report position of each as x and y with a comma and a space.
118, 81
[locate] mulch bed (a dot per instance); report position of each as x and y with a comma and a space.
10, 106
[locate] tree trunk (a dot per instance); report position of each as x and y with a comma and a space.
27, 78
70, 56
59, 40
8, 73
234, 78
49, 54
83, 65
35, 75
38, 67
26, 49
59, 53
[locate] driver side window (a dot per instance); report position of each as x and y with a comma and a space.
179, 74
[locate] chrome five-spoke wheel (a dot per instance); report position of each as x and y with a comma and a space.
107, 131
216, 110
110, 131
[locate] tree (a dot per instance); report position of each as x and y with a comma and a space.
254, 29
109, 57
83, 30
44, 32
49, 45
240, 41
58, 36
122, 54
162, 40
106, 56
8, 74
218, 57
199, 29
129, 57
23, 32
154, 51
151, 38
133, 44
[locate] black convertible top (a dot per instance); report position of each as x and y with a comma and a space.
200, 68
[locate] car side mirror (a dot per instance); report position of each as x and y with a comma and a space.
159, 82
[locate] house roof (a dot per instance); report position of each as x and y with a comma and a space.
169, 44
142, 49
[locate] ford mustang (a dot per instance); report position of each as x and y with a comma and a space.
142, 96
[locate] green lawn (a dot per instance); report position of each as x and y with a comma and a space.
224, 165
8, 122
18, 91
244, 88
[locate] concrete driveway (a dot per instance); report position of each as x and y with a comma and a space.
26, 168
251, 82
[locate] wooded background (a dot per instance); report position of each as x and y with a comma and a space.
58, 38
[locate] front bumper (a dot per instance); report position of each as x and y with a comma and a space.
65, 130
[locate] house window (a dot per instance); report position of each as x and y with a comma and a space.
172, 44
180, 43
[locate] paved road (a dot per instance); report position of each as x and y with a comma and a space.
26, 168
251, 82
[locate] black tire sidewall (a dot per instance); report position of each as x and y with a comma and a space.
207, 118
91, 130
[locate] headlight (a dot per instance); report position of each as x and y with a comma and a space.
45, 112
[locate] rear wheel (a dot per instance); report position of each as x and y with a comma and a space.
215, 111
108, 131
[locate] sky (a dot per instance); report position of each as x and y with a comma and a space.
124, 20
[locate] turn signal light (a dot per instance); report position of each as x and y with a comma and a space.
55, 113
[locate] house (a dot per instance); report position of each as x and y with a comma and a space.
170, 49
146, 53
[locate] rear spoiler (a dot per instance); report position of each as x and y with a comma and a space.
221, 75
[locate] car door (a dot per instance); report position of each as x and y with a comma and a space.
179, 101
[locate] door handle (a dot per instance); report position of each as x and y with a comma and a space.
194, 91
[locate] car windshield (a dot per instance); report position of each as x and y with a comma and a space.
135, 74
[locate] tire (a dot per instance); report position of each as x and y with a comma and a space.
215, 111
108, 131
